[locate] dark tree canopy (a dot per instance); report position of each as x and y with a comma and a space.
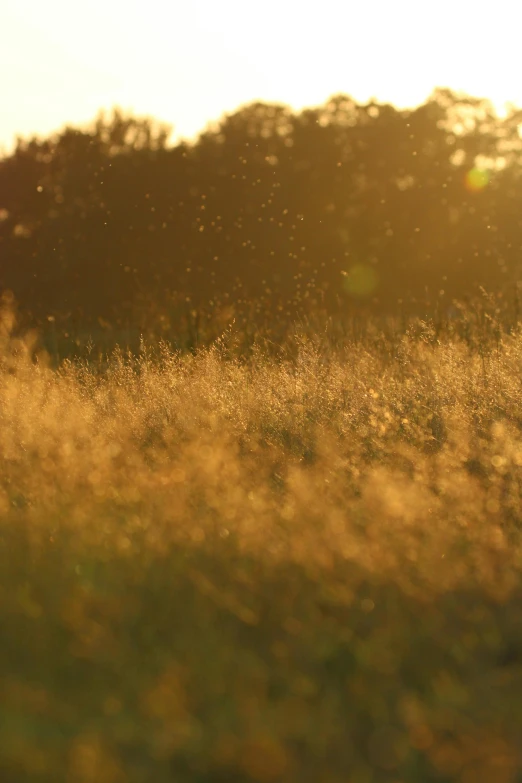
343, 207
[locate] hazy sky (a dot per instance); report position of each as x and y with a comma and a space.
188, 62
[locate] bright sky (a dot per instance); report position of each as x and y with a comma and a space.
188, 62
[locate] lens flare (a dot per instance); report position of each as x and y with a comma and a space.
476, 180
360, 280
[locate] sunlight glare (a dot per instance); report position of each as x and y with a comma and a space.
186, 64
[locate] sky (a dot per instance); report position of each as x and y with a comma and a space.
187, 63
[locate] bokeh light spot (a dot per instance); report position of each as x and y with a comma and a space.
360, 280
476, 180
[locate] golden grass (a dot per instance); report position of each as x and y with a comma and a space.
217, 569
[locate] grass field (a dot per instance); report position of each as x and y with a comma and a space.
298, 566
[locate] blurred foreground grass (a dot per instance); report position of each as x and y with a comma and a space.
304, 567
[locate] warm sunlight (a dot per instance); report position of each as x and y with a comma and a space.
188, 63
260, 391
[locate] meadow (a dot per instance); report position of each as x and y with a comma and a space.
292, 564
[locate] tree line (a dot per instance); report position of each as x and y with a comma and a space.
343, 208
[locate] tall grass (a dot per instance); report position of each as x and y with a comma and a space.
302, 565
